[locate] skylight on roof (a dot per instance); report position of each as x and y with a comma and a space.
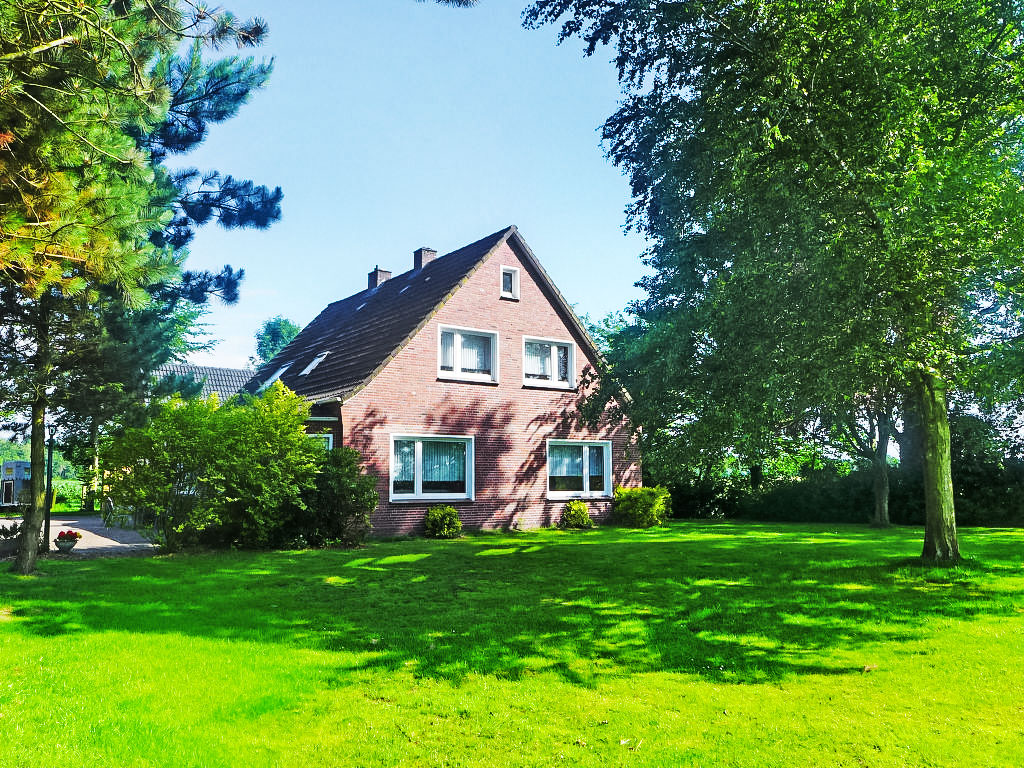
314, 363
404, 289
360, 306
277, 375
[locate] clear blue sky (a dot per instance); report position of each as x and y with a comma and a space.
392, 124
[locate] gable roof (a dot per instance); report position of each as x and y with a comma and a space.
224, 381
363, 333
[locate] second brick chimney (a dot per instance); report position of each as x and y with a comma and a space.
423, 256
378, 276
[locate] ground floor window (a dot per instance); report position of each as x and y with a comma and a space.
324, 437
579, 469
431, 467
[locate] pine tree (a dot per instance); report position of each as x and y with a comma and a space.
86, 205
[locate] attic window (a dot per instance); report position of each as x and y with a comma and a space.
510, 283
315, 362
277, 375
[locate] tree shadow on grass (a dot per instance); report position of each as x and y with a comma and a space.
720, 602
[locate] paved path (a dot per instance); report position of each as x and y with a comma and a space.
98, 540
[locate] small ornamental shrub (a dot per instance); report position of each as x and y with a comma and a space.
575, 515
443, 522
641, 507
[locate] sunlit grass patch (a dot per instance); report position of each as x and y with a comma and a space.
699, 643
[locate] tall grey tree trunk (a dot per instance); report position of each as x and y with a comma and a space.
911, 439
28, 542
880, 490
940, 541
42, 366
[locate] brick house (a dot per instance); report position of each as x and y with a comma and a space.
458, 382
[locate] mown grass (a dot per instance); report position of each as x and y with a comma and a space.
692, 645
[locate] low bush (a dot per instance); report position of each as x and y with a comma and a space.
575, 515
443, 522
337, 511
642, 507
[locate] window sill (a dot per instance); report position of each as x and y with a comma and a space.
466, 379
434, 497
549, 385
564, 495
508, 297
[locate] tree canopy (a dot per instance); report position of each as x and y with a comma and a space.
272, 337
834, 196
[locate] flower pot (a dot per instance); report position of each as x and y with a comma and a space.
65, 545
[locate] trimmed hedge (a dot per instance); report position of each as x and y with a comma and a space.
641, 507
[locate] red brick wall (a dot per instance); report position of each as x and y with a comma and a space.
511, 423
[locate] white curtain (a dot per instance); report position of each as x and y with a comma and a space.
566, 460
563, 363
538, 360
404, 466
596, 467
443, 462
447, 351
476, 353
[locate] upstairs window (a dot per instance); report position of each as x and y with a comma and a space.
579, 469
509, 282
548, 363
468, 354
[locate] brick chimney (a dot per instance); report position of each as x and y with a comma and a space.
423, 256
378, 276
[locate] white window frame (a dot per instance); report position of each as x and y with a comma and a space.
456, 375
418, 494
327, 437
515, 283
277, 375
585, 493
553, 382
314, 363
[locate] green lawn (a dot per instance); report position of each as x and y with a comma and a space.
695, 644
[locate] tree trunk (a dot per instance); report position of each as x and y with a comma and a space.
28, 542
911, 439
880, 488
92, 493
940, 542
42, 364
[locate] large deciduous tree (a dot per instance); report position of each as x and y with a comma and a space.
833, 189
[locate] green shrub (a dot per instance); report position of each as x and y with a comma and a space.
337, 510
641, 507
575, 515
217, 475
443, 522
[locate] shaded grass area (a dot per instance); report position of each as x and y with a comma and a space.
695, 644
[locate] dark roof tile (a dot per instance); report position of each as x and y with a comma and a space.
224, 381
360, 333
